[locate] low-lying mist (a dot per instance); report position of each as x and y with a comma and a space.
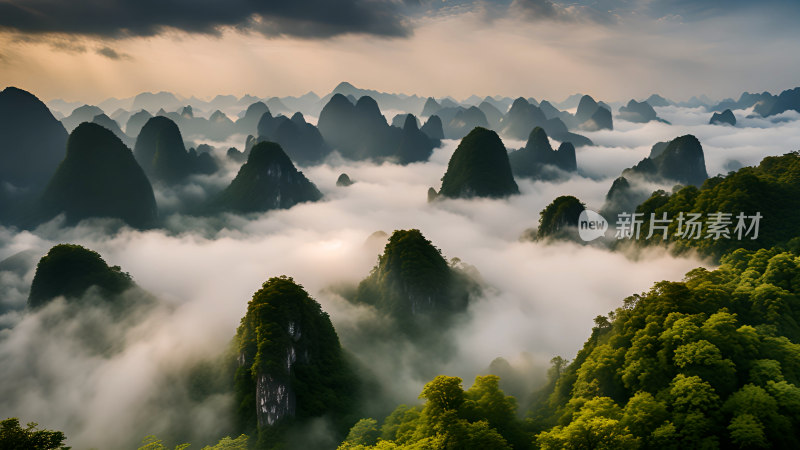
540, 299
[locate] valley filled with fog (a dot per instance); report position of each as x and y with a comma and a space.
197, 271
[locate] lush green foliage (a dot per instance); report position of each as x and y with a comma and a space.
479, 168
561, 213
69, 270
414, 285
14, 437
227, 443
771, 189
482, 417
711, 361
99, 177
287, 338
268, 180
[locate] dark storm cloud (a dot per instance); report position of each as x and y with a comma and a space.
122, 18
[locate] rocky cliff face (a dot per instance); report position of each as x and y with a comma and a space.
290, 363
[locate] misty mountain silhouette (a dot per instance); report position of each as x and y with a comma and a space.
136, 121
788, 100
493, 115
657, 100
360, 132
682, 161
161, 153
111, 124
248, 123
639, 112
538, 160
725, 117
433, 128
268, 180
300, 140
479, 167
33, 141
523, 117
458, 121
99, 177
79, 115
431, 107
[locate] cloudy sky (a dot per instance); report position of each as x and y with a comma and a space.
614, 49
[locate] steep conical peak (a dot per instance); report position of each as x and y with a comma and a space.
160, 150
566, 158
265, 154
344, 180
268, 180
557, 218
410, 123
405, 246
587, 104
537, 159
538, 140
621, 184
344, 86
99, 177
368, 106
479, 168
69, 270
433, 128
411, 283
298, 118
32, 140
681, 160
256, 109
519, 104
290, 364
431, 107
339, 100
